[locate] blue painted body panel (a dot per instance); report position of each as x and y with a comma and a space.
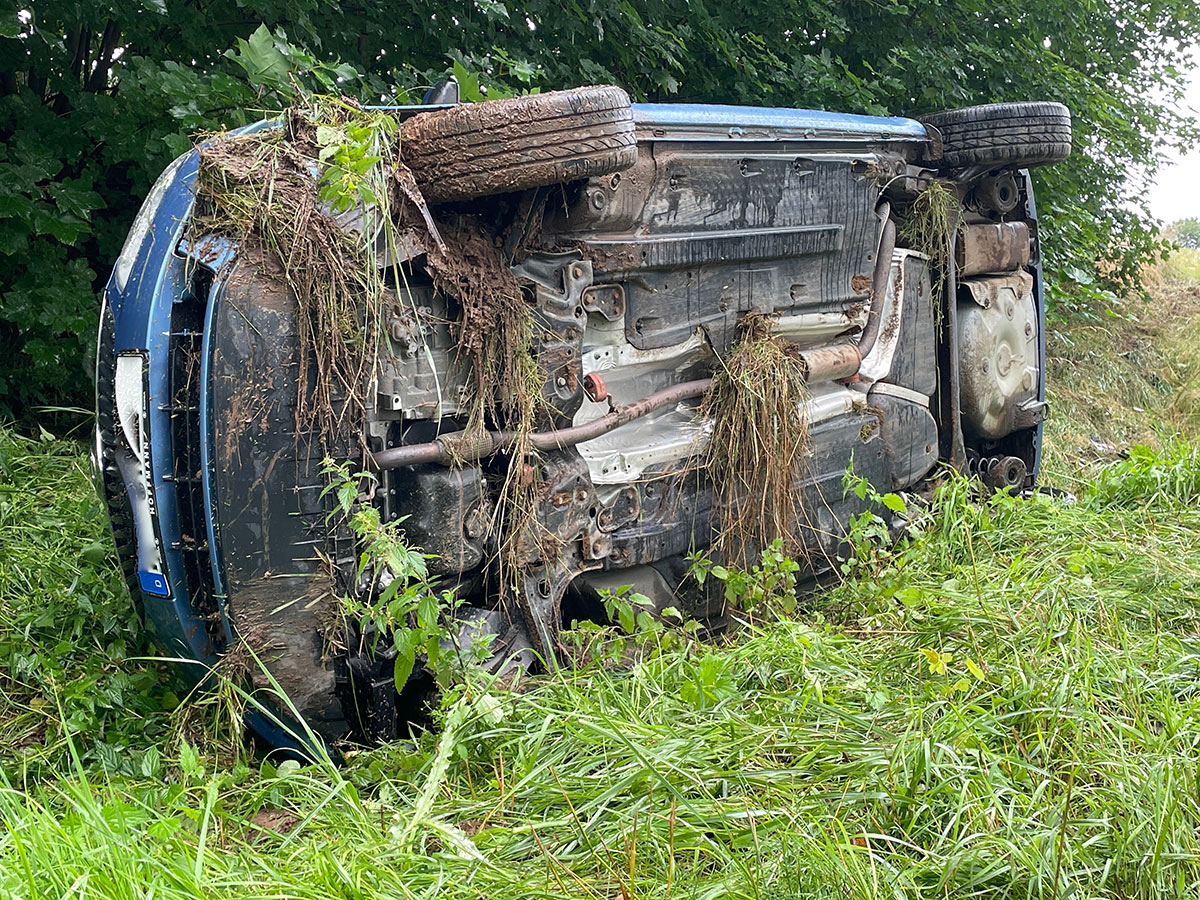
750, 121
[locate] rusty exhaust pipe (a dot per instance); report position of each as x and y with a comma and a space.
823, 364
464, 447
879, 283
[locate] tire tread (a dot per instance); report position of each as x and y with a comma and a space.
520, 143
1010, 135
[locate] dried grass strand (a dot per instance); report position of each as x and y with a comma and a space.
758, 405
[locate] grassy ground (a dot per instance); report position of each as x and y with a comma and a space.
1008, 706
1125, 376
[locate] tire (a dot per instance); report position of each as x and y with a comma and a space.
1009, 135
497, 146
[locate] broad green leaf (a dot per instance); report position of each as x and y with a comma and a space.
263, 62
406, 656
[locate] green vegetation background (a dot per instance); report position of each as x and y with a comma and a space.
1007, 707
96, 98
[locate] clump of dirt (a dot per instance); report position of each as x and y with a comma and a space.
758, 402
495, 330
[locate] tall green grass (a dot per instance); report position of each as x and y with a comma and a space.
1005, 705
1048, 749
72, 658
1128, 376
1183, 265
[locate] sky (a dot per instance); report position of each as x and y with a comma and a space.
1176, 193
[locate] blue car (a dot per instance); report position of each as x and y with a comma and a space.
642, 237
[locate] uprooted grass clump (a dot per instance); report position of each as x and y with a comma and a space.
315, 199
758, 405
495, 328
328, 198
928, 228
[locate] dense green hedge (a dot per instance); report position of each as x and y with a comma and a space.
96, 98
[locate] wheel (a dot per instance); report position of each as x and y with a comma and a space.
478, 149
1016, 135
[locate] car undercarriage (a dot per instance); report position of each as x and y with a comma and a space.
638, 262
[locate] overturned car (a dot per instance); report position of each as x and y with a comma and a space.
636, 242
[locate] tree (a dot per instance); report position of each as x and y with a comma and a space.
1186, 233
96, 98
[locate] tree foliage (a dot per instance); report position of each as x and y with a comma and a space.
1186, 233
96, 98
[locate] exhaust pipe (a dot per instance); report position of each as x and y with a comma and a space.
823, 364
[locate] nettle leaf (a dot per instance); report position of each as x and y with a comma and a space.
427, 609
627, 616
493, 9
937, 661
10, 25
973, 668
405, 641
329, 139
189, 761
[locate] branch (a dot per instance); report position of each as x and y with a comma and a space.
98, 79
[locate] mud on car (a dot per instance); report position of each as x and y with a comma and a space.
640, 240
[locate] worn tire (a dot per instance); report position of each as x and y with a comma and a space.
1013, 135
497, 146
